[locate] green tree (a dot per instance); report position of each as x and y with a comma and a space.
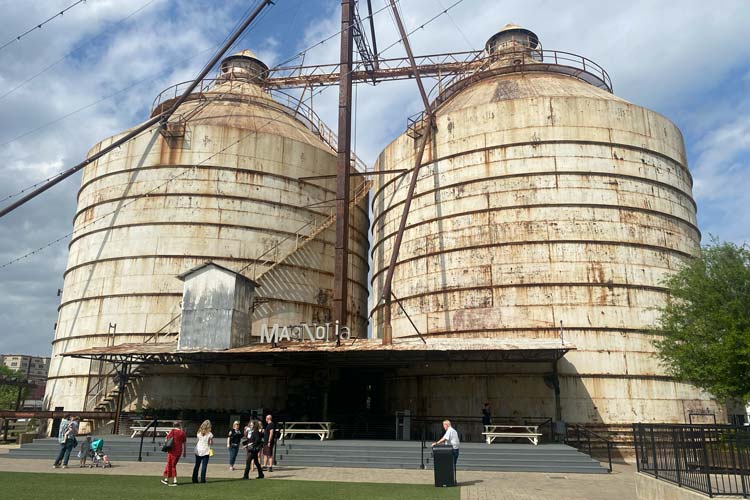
9, 393
705, 326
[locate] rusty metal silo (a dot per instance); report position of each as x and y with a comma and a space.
221, 182
544, 201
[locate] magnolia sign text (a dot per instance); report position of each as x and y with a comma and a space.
326, 332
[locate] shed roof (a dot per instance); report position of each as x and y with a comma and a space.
184, 275
357, 351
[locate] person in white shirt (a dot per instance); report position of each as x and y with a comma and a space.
450, 437
203, 450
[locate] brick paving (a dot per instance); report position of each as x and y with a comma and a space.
475, 485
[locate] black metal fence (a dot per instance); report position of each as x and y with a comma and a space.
711, 459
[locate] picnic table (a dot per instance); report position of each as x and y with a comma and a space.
163, 426
530, 432
324, 430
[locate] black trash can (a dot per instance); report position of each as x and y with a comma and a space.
445, 468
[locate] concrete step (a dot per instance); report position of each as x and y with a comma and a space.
371, 454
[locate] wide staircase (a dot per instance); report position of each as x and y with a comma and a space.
511, 457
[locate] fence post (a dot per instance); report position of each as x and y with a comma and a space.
636, 445
653, 452
421, 466
676, 456
742, 464
705, 462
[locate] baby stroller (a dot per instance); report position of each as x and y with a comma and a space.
96, 452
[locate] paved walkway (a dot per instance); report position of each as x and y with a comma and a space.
474, 485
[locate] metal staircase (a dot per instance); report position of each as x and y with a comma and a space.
102, 394
277, 254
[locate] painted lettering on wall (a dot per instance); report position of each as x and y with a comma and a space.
327, 332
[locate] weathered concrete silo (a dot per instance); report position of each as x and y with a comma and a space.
544, 200
222, 183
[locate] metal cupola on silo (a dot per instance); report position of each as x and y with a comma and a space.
513, 43
243, 65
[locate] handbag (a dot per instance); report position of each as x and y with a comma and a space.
210, 452
168, 444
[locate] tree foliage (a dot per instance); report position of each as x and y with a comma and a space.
9, 393
705, 326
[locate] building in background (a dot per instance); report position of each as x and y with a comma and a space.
34, 369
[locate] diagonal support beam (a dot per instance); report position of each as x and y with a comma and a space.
430, 118
160, 119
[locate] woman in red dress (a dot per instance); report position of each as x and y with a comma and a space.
173, 455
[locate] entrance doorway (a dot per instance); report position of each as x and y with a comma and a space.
357, 404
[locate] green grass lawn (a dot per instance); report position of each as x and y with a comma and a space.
107, 486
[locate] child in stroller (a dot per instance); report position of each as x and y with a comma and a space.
96, 452
85, 451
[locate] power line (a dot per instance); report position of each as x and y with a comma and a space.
185, 171
76, 49
134, 84
160, 118
323, 41
39, 26
99, 101
312, 94
421, 26
142, 195
117, 92
458, 28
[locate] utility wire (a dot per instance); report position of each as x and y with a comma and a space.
160, 118
312, 93
67, 115
185, 171
76, 49
323, 41
458, 28
99, 101
120, 91
39, 26
142, 195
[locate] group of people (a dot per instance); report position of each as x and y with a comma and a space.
257, 439
67, 436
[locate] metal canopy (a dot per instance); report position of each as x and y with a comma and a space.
359, 353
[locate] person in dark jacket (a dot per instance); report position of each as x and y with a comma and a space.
233, 443
487, 414
254, 446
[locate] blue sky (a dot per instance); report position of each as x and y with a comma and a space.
686, 59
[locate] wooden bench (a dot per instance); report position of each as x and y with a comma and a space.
530, 432
324, 430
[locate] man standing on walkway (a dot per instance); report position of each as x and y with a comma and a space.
450, 437
66, 438
270, 441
